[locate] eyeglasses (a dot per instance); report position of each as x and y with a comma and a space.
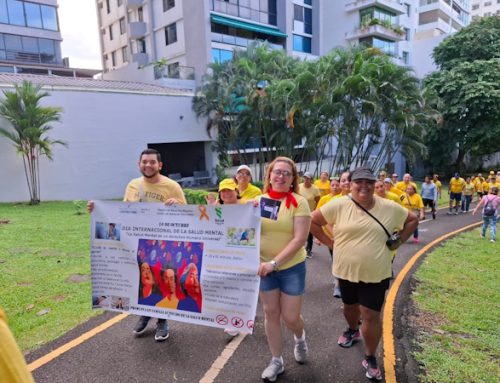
284, 173
243, 174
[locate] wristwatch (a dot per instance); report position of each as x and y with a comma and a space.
275, 265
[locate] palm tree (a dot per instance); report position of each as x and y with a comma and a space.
30, 123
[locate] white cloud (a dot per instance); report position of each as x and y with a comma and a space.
79, 30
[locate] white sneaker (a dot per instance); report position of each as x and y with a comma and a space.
300, 351
271, 373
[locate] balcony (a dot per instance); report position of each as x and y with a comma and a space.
390, 5
140, 58
134, 4
377, 30
137, 30
175, 72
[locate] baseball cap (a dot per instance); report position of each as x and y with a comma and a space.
362, 174
492, 173
228, 183
388, 181
308, 175
244, 167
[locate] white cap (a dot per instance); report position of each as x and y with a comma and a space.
245, 167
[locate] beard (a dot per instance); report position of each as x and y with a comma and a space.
154, 174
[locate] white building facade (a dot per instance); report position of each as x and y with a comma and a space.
484, 8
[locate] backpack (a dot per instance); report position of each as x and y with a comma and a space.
489, 210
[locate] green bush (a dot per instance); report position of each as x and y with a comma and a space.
259, 184
195, 197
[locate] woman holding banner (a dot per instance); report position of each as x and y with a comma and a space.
282, 268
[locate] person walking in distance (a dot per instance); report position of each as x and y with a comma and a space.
429, 195
455, 190
365, 237
151, 187
312, 194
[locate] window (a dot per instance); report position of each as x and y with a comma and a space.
140, 14
308, 2
487, 3
407, 34
16, 12
377, 13
111, 32
49, 18
475, 6
48, 52
3, 12
119, 3
173, 70
13, 43
406, 58
298, 13
487, 14
30, 44
301, 44
308, 20
141, 46
408, 9
113, 58
170, 34
123, 27
272, 11
108, 8
386, 46
167, 4
221, 55
124, 54
33, 15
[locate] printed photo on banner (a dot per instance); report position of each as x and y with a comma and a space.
120, 303
170, 274
109, 231
100, 301
269, 208
241, 236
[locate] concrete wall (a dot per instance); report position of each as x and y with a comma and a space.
106, 133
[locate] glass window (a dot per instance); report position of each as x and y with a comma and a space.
108, 8
119, 2
140, 14
123, 28
221, 55
113, 58
301, 44
406, 58
2, 44
173, 70
171, 34
308, 20
272, 12
111, 32
47, 50
141, 46
30, 44
475, 6
308, 2
3, 12
124, 54
33, 15
167, 4
13, 43
298, 12
49, 17
407, 34
16, 12
408, 9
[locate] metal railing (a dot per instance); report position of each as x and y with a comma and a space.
179, 72
239, 41
27, 57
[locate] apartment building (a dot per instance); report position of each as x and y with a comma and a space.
482, 8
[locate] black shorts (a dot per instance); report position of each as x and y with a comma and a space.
370, 295
428, 202
455, 196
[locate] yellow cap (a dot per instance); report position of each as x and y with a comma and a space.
492, 173
228, 183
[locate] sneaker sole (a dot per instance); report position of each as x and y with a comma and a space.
276, 377
140, 332
373, 377
161, 338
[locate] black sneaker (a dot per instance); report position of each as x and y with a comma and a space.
309, 254
162, 331
141, 325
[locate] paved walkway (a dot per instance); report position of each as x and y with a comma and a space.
196, 353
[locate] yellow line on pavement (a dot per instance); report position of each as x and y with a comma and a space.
75, 342
388, 335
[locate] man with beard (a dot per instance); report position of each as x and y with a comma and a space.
151, 187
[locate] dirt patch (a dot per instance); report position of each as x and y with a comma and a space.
4, 221
49, 253
23, 283
58, 298
20, 250
78, 278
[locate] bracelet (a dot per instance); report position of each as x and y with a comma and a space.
274, 264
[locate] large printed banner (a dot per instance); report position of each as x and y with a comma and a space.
194, 264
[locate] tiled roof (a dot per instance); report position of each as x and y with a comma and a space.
87, 84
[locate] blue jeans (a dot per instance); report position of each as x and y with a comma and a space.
466, 202
492, 221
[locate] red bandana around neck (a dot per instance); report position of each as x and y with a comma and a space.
290, 199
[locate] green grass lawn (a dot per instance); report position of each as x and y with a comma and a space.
458, 298
40, 248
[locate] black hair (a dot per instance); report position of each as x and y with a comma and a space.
151, 151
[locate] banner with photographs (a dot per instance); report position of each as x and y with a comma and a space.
195, 264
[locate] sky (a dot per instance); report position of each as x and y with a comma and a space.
78, 23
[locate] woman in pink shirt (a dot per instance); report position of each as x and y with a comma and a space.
490, 203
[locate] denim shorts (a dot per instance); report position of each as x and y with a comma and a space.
455, 196
291, 281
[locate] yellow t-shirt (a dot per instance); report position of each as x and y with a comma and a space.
323, 201
275, 235
491, 185
309, 194
250, 192
169, 303
479, 184
486, 186
361, 254
401, 185
469, 189
413, 202
323, 186
457, 185
139, 190
438, 184
392, 197
395, 190
12, 364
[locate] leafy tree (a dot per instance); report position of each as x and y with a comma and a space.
466, 91
30, 122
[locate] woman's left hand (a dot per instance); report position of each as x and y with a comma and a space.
264, 269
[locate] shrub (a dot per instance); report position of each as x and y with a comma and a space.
195, 197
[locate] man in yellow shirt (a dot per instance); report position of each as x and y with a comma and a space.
402, 185
246, 189
381, 191
323, 184
455, 190
479, 186
151, 187
435, 180
312, 195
